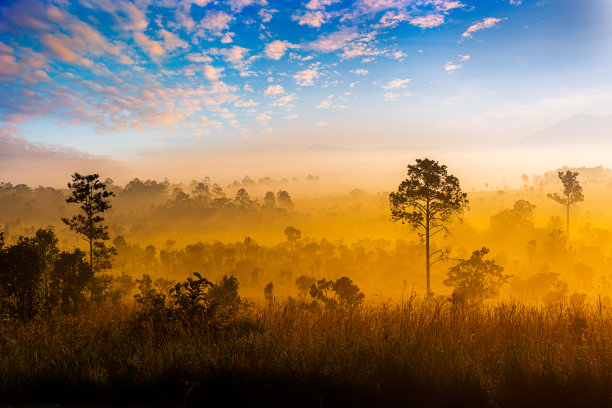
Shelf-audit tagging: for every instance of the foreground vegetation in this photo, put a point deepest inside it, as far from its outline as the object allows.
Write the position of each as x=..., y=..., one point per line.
x=417, y=353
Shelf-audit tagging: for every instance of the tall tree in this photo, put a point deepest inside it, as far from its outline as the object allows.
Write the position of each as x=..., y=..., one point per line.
x=572, y=193
x=91, y=194
x=427, y=200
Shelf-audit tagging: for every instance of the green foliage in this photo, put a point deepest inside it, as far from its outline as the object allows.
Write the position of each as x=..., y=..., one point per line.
x=476, y=279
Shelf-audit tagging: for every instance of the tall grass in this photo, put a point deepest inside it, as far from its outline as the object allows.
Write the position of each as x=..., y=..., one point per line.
x=418, y=353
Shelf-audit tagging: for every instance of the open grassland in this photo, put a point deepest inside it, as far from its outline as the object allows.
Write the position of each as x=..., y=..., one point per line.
x=417, y=353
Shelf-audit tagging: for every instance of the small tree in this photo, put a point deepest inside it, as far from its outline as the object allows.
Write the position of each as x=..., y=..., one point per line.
x=93, y=198
x=284, y=200
x=71, y=274
x=427, y=200
x=293, y=236
x=343, y=293
x=475, y=279
x=269, y=293
x=269, y=201
x=304, y=283
x=572, y=193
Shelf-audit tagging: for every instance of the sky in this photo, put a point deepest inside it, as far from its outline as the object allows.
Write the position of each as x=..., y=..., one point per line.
x=351, y=89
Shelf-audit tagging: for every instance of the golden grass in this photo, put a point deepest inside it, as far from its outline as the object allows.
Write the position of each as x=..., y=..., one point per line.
x=418, y=353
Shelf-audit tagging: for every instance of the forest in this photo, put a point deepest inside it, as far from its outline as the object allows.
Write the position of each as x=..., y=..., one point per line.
x=249, y=293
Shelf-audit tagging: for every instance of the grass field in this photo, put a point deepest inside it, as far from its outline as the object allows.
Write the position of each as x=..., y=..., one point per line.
x=417, y=353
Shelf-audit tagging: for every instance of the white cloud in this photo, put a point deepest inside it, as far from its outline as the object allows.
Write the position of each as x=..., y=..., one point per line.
x=171, y=40
x=451, y=67
x=292, y=116
x=215, y=21
x=329, y=102
x=152, y=47
x=285, y=100
x=276, y=49
x=463, y=57
x=274, y=90
x=198, y=58
x=311, y=18
x=319, y=4
x=360, y=71
x=360, y=49
x=325, y=103
x=397, y=84
x=245, y=104
x=211, y=73
x=488, y=22
x=391, y=96
x=306, y=77
x=398, y=55
x=321, y=123
x=234, y=55
x=266, y=14
x=429, y=21
x=334, y=41
x=238, y=5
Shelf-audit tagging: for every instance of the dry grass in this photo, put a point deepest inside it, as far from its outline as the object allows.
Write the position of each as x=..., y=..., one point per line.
x=414, y=354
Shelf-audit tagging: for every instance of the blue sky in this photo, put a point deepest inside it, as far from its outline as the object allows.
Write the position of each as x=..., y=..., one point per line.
x=131, y=80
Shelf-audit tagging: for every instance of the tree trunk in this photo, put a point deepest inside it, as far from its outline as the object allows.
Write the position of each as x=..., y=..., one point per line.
x=427, y=263
x=91, y=256
x=567, y=218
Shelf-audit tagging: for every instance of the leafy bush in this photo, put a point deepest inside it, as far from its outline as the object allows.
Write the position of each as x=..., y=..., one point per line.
x=343, y=293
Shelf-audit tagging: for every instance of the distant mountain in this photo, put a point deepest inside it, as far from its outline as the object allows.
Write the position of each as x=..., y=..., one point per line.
x=577, y=130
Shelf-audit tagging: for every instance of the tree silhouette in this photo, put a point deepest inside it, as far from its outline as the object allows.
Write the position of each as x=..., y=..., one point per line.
x=91, y=194
x=284, y=200
x=427, y=200
x=572, y=193
x=293, y=236
x=342, y=292
x=475, y=279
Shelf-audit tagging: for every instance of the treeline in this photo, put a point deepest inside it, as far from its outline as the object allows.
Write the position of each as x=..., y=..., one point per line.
x=147, y=206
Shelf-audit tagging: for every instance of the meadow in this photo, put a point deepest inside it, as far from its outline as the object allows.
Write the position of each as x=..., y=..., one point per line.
x=413, y=353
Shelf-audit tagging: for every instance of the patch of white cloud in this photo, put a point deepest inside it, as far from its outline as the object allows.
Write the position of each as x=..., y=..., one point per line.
x=274, y=90
x=307, y=77
x=397, y=84
x=311, y=18
x=277, y=48
x=488, y=22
